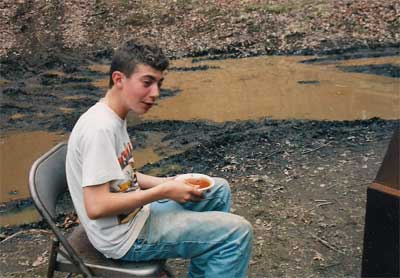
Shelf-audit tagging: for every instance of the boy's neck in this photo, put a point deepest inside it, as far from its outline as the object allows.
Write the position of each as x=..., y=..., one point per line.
x=111, y=100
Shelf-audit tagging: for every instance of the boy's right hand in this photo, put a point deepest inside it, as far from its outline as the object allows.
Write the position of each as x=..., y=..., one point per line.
x=180, y=192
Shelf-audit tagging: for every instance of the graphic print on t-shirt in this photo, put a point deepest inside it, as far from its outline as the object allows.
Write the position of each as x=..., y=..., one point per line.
x=130, y=182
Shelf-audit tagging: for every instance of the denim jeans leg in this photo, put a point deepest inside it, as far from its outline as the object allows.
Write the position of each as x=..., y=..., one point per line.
x=218, y=243
x=218, y=199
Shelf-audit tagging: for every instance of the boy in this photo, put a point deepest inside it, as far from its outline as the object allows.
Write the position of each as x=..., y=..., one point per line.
x=135, y=217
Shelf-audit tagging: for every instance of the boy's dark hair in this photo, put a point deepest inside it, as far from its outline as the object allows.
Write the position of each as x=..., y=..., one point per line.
x=132, y=53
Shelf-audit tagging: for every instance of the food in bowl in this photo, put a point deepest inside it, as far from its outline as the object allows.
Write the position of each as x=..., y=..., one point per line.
x=199, y=181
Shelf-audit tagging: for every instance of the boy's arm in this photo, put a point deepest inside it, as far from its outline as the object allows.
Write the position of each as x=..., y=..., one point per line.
x=146, y=181
x=100, y=202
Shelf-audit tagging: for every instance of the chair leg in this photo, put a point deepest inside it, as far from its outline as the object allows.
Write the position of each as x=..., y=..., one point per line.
x=52, y=258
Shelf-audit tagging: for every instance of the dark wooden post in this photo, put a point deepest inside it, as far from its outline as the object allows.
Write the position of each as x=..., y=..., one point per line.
x=381, y=256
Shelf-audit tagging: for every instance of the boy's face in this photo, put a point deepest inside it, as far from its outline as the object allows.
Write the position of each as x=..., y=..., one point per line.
x=140, y=91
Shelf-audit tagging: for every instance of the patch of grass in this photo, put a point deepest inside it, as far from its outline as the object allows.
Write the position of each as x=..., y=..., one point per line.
x=254, y=28
x=395, y=25
x=185, y=4
x=266, y=8
x=213, y=12
x=126, y=3
x=138, y=19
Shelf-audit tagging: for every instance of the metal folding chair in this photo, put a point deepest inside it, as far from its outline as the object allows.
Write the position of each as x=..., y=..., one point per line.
x=74, y=253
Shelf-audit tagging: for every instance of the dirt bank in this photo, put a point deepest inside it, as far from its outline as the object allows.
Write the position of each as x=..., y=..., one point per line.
x=35, y=34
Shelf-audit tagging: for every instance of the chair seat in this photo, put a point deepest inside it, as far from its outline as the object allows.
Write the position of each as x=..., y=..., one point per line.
x=100, y=265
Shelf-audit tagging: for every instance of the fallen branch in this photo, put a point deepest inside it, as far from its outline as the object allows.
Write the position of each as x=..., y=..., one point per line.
x=324, y=204
x=332, y=186
x=326, y=243
x=317, y=148
x=273, y=153
x=30, y=231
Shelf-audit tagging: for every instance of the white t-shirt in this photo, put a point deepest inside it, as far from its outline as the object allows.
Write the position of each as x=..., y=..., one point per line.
x=100, y=151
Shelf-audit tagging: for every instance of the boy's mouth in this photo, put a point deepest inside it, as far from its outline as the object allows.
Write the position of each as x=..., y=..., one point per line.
x=149, y=103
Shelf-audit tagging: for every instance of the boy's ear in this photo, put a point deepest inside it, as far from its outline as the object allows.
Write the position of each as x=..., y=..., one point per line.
x=117, y=78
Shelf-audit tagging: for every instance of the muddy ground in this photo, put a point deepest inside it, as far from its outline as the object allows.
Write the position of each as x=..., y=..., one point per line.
x=302, y=184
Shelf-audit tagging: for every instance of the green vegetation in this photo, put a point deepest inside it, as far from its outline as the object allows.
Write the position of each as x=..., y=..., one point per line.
x=214, y=11
x=266, y=8
x=395, y=25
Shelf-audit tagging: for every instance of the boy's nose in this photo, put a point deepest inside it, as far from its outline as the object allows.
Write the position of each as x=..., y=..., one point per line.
x=155, y=91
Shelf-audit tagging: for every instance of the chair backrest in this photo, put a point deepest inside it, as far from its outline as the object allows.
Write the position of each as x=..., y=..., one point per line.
x=47, y=179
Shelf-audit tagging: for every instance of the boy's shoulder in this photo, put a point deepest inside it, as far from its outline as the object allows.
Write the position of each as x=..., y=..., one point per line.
x=98, y=118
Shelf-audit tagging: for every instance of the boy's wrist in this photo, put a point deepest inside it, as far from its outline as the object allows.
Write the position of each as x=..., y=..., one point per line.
x=161, y=192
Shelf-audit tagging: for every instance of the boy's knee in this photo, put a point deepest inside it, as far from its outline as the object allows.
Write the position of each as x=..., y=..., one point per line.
x=222, y=183
x=243, y=231
x=247, y=228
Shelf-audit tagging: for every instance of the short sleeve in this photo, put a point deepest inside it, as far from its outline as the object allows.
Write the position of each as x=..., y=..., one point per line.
x=99, y=158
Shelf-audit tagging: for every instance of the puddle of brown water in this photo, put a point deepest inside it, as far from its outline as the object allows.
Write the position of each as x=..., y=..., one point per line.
x=148, y=155
x=75, y=97
x=56, y=72
x=24, y=216
x=17, y=116
x=17, y=153
x=4, y=82
x=268, y=86
x=101, y=83
x=99, y=68
x=66, y=110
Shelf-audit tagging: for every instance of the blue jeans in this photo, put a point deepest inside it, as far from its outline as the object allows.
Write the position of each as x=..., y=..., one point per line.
x=217, y=242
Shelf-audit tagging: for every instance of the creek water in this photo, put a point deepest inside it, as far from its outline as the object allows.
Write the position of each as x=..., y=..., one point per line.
x=228, y=90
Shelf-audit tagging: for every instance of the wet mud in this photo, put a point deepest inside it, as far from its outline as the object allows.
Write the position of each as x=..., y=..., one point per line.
x=355, y=53
x=288, y=178
x=55, y=98
x=196, y=68
x=388, y=70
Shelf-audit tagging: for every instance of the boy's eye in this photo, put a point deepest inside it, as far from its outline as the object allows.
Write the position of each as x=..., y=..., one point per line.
x=147, y=83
